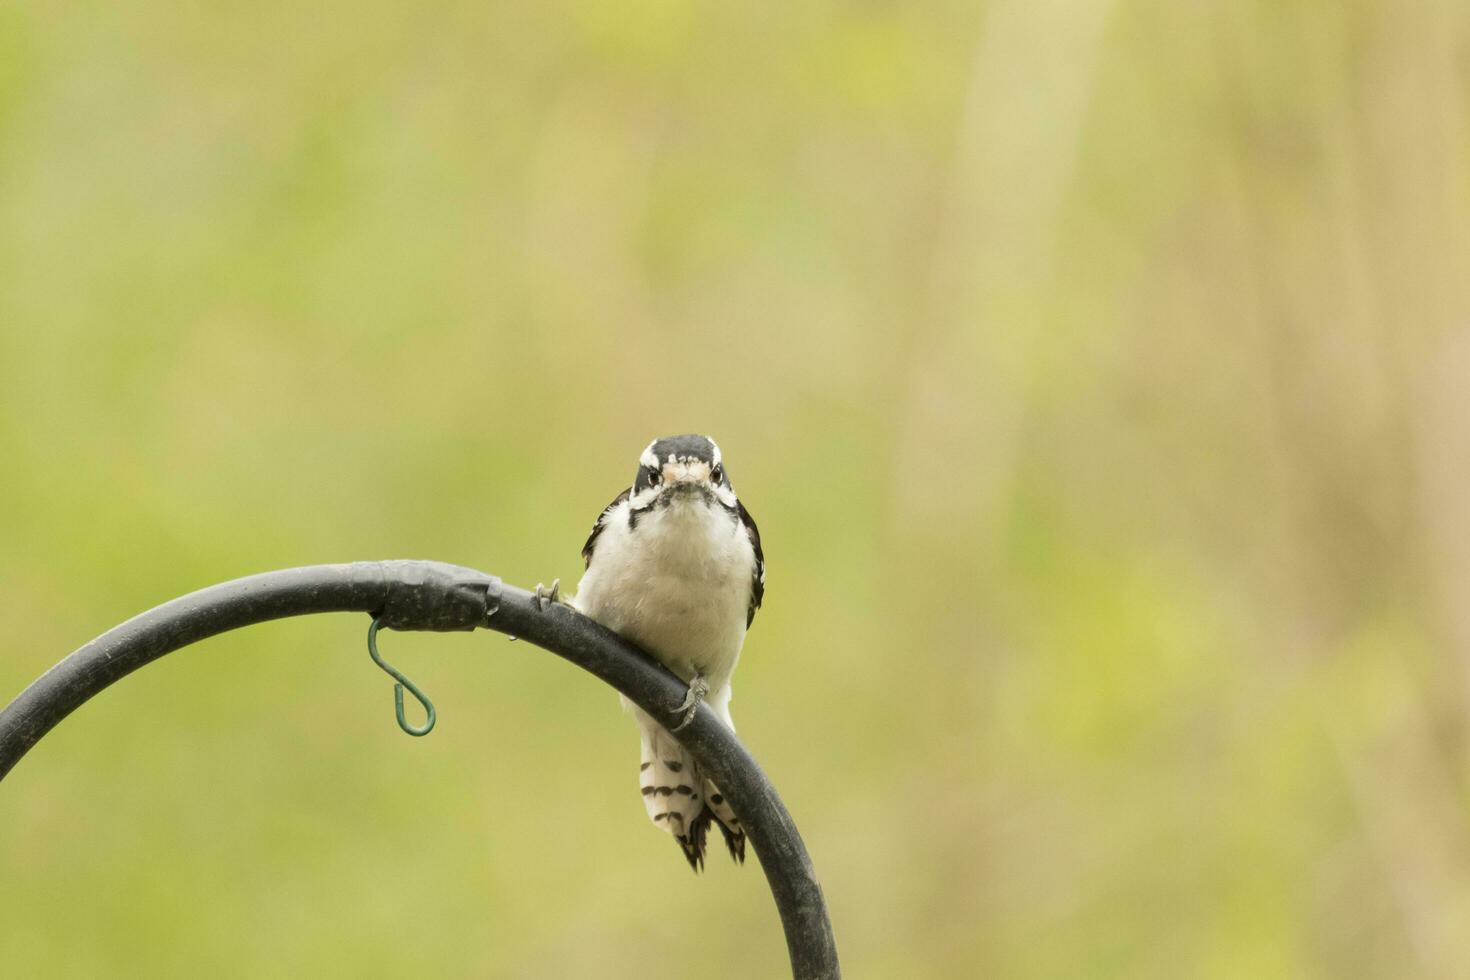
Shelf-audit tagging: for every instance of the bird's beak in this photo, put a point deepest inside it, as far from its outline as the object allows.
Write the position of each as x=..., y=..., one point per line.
x=695, y=472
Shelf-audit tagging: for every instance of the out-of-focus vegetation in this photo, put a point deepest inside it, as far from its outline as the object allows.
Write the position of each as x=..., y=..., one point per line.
x=1099, y=374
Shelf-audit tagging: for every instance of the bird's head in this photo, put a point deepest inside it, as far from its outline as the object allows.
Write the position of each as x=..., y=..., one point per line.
x=685, y=468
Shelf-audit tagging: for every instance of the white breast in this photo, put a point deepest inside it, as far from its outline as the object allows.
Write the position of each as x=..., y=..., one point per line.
x=678, y=585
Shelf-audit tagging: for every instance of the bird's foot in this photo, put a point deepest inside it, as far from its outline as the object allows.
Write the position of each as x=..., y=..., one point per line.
x=543, y=597
x=698, y=691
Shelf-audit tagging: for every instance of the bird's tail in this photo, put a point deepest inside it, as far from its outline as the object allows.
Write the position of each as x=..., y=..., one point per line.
x=726, y=820
x=673, y=793
x=724, y=814
x=677, y=796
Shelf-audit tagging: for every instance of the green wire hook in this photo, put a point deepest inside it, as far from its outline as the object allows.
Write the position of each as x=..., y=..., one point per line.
x=398, y=688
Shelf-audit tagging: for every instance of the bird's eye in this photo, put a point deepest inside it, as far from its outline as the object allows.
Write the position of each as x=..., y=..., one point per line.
x=654, y=477
x=717, y=474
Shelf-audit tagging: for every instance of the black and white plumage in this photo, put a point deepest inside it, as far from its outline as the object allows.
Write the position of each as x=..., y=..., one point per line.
x=674, y=563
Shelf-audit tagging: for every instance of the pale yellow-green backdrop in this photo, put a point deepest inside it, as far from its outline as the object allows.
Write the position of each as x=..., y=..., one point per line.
x=1099, y=373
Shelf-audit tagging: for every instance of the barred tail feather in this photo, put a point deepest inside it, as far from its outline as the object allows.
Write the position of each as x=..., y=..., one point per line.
x=727, y=821
x=673, y=793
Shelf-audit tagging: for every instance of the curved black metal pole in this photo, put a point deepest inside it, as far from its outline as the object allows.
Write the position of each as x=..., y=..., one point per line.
x=425, y=595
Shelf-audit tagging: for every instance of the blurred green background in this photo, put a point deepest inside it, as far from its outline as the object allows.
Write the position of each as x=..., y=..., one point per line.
x=1098, y=372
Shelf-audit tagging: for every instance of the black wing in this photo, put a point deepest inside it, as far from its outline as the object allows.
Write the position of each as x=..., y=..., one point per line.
x=758, y=577
x=601, y=523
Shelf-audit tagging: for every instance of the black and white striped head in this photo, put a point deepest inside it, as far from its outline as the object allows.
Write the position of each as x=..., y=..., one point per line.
x=682, y=467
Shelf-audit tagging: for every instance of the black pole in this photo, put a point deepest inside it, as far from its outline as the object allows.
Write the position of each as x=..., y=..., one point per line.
x=425, y=595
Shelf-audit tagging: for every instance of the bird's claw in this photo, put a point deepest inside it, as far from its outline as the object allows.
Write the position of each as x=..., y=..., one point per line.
x=698, y=690
x=543, y=597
